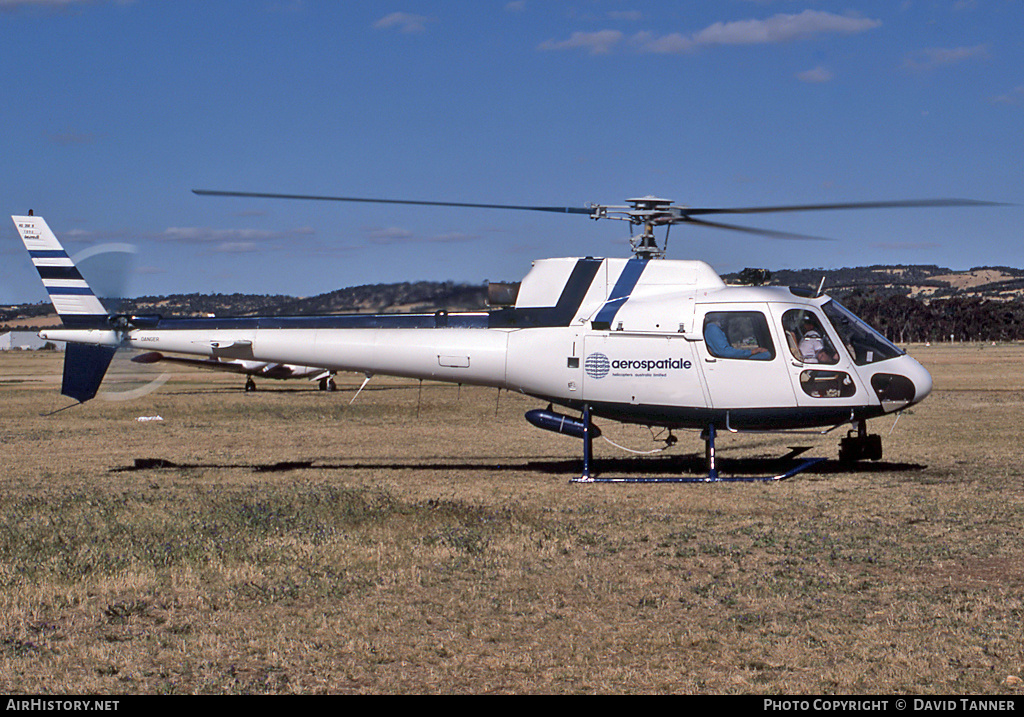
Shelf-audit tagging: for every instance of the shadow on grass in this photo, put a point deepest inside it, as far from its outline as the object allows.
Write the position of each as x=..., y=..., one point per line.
x=666, y=467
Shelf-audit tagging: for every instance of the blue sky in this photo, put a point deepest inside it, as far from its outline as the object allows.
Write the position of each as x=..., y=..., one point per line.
x=113, y=110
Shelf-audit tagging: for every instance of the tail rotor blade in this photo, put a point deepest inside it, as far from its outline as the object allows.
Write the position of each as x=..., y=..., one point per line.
x=107, y=269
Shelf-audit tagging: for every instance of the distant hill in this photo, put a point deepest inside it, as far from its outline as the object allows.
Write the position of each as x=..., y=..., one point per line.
x=371, y=298
x=422, y=296
x=918, y=282
x=923, y=303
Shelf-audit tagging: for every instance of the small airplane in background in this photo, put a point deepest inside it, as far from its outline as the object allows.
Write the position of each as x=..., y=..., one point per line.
x=645, y=340
x=251, y=369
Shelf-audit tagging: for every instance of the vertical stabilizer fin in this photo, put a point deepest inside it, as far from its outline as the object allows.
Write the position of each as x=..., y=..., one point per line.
x=74, y=301
x=84, y=368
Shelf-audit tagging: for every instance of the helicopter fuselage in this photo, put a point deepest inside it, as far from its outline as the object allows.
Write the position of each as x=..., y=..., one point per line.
x=654, y=342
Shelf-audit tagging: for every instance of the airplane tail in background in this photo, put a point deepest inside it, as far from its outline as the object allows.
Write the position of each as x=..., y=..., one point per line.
x=77, y=305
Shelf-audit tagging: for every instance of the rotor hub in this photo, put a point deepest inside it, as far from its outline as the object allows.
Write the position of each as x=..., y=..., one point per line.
x=650, y=211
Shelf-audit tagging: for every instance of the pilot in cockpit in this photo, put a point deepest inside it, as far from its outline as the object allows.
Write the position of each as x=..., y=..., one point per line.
x=813, y=348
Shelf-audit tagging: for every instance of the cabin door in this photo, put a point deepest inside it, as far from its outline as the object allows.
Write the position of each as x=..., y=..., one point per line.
x=819, y=365
x=743, y=364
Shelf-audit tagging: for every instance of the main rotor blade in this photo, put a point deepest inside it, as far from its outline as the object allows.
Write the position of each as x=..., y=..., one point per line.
x=752, y=230
x=319, y=198
x=903, y=204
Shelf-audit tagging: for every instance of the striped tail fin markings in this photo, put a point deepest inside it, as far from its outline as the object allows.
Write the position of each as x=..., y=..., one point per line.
x=75, y=302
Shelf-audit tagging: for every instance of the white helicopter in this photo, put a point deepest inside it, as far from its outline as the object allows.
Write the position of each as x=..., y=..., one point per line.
x=644, y=340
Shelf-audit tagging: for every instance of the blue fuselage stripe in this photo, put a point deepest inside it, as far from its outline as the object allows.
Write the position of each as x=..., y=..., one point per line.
x=620, y=292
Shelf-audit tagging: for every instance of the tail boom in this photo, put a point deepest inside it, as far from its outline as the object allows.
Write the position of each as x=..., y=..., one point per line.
x=99, y=337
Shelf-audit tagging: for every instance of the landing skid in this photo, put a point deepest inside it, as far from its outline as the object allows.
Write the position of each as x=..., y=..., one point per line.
x=712, y=476
x=801, y=466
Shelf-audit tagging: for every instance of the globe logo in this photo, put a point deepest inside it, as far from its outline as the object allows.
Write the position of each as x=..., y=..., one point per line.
x=597, y=365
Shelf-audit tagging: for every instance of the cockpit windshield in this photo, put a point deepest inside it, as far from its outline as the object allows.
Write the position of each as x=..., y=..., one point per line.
x=864, y=343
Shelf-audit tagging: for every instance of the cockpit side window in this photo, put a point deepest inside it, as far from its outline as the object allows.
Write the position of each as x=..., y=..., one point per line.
x=807, y=340
x=738, y=335
x=865, y=345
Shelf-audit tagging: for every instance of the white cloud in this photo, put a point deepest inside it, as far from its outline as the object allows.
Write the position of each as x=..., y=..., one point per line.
x=779, y=28
x=783, y=28
x=1013, y=97
x=232, y=241
x=671, y=44
x=816, y=76
x=403, y=22
x=598, y=43
x=237, y=247
x=390, y=235
x=774, y=30
x=397, y=235
x=934, y=57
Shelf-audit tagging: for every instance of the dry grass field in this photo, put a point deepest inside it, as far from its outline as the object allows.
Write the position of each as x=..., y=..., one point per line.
x=426, y=539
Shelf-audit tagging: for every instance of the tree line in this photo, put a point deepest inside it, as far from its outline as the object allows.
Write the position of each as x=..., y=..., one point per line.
x=910, y=320
x=887, y=298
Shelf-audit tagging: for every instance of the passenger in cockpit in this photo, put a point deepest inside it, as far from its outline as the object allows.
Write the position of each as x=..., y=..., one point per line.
x=718, y=345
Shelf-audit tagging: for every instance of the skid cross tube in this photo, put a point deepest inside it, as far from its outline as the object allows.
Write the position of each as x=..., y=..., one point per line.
x=588, y=445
